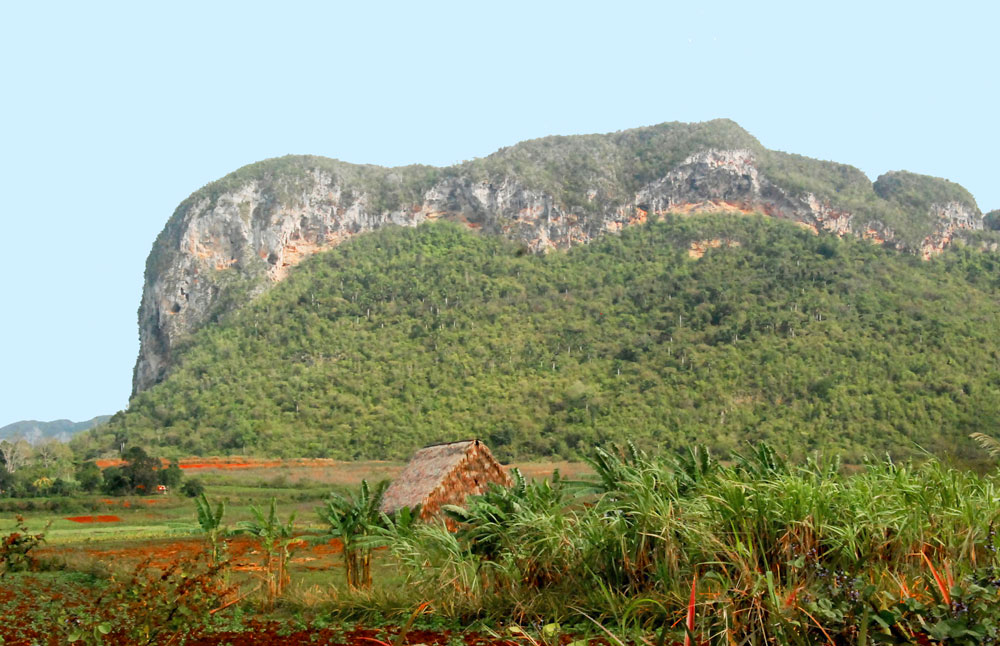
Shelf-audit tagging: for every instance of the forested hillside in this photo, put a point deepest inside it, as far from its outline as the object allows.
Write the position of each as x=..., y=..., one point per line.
x=237, y=237
x=408, y=336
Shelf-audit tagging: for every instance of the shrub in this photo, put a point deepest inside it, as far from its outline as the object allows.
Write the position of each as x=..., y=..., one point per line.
x=116, y=482
x=171, y=476
x=151, y=606
x=193, y=488
x=15, y=548
x=89, y=476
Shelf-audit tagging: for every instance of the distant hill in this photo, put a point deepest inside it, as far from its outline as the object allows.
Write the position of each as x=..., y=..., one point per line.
x=60, y=429
x=716, y=329
x=237, y=237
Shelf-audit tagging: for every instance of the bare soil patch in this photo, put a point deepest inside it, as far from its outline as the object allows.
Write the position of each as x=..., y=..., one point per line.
x=244, y=553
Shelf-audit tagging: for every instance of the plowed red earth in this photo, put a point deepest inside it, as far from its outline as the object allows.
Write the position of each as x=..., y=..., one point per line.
x=19, y=626
x=94, y=519
x=228, y=464
x=243, y=551
x=273, y=634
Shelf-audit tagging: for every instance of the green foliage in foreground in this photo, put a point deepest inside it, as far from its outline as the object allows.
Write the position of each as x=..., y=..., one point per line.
x=757, y=551
x=409, y=336
x=772, y=553
x=210, y=521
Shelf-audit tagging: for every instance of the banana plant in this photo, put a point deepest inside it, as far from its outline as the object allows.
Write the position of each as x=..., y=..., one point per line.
x=210, y=521
x=277, y=539
x=354, y=520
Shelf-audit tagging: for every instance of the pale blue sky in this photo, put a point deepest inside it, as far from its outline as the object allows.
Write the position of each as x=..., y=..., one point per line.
x=113, y=113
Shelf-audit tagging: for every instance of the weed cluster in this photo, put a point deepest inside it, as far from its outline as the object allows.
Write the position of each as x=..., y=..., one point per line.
x=150, y=606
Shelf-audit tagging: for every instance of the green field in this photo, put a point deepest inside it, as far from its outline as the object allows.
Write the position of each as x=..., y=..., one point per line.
x=298, y=489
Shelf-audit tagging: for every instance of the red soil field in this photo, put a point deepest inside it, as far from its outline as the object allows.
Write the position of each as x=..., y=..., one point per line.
x=94, y=519
x=229, y=463
x=21, y=630
x=20, y=627
x=244, y=552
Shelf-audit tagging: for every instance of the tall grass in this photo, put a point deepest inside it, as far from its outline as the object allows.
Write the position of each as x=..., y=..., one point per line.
x=775, y=553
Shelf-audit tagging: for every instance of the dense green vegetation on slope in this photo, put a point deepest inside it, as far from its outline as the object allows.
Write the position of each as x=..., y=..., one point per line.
x=408, y=336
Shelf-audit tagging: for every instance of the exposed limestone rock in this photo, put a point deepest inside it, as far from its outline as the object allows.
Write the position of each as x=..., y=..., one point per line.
x=244, y=238
x=507, y=208
x=729, y=180
x=950, y=217
x=698, y=248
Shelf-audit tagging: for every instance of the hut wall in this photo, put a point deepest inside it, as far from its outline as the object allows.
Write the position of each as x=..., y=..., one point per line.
x=469, y=477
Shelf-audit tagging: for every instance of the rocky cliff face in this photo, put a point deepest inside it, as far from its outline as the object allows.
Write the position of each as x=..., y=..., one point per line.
x=950, y=218
x=731, y=180
x=230, y=241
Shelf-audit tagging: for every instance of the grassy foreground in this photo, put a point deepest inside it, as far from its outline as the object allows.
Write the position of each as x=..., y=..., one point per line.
x=672, y=549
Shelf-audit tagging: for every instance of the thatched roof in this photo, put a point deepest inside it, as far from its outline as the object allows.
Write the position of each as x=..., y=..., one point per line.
x=427, y=471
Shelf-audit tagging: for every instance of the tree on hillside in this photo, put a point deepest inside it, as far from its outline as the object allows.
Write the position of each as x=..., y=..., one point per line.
x=14, y=453
x=141, y=469
x=51, y=452
x=89, y=476
x=170, y=476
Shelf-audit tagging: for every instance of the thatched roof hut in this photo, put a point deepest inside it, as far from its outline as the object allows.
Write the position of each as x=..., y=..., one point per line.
x=444, y=474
